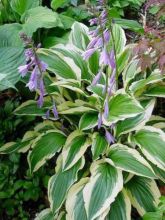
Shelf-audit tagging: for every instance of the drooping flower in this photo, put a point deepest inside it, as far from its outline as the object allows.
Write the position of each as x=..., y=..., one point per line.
x=97, y=78
x=87, y=54
x=100, y=120
x=42, y=91
x=23, y=70
x=93, y=21
x=106, y=35
x=110, y=139
x=33, y=82
x=43, y=66
x=106, y=108
x=55, y=112
x=112, y=59
x=104, y=57
x=47, y=115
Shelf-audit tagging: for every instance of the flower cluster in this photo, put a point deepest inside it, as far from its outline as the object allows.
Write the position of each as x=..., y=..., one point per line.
x=101, y=40
x=36, y=68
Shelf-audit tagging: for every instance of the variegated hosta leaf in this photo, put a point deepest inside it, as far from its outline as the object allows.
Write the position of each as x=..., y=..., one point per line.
x=79, y=36
x=72, y=52
x=13, y=147
x=30, y=108
x=159, y=172
x=60, y=183
x=120, y=38
x=63, y=67
x=75, y=205
x=137, y=122
x=88, y=121
x=45, y=214
x=152, y=143
x=120, y=208
x=104, y=185
x=123, y=58
x=45, y=147
x=130, y=72
x=122, y=106
x=77, y=110
x=75, y=147
x=156, y=91
x=130, y=160
x=141, y=84
x=99, y=145
x=144, y=194
x=153, y=216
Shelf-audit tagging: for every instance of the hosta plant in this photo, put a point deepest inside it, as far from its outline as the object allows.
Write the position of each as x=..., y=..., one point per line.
x=97, y=105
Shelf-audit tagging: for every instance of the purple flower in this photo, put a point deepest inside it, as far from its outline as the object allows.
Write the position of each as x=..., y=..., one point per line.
x=47, y=114
x=28, y=54
x=112, y=59
x=42, y=90
x=106, y=108
x=40, y=101
x=92, y=43
x=96, y=78
x=23, y=70
x=106, y=36
x=110, y=139
x=104, y=58
x=103, y=14
x=100, y=120
x=43, y=66
x=33, y=82
x=107, y=58
x=99, y=42
x=55, y=112
x=93, y=21
x=87, y=54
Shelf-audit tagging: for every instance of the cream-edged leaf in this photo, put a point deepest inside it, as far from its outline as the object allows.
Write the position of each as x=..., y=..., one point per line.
x=75, y=205
x=120, y=208
x=122, y=106
x=60, y=183
x=130, y=160
x=88, y=121
x=144, y=194
x=99, y=145
x=45, y=214
x=45, y=147
x=75, y=147
x=137, y=122
x=152, y=144
x=104, y=185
